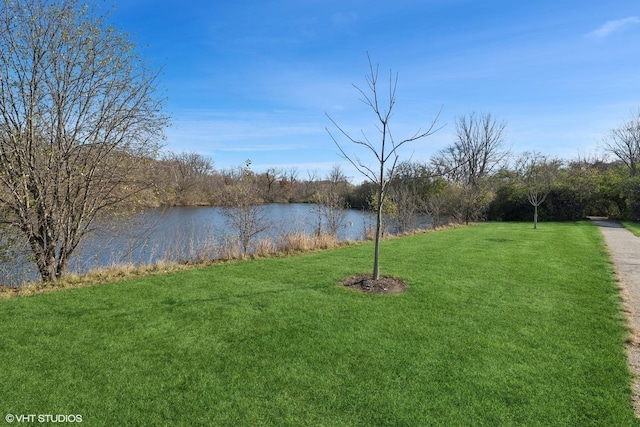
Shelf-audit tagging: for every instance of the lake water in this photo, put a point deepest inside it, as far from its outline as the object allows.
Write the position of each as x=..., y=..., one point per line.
x=179, y=234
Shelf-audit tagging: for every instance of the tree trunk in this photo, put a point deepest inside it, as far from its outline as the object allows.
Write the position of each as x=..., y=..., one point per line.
x=61, y=268
x=45, y=260
x=377, y=177
x=376, y=255
x=535, y=216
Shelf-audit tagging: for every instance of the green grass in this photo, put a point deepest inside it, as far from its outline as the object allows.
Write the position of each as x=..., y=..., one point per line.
x=502, y=325
x=634, y=227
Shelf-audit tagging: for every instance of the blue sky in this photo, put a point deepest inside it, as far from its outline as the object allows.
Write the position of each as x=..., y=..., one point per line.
x=253, y=79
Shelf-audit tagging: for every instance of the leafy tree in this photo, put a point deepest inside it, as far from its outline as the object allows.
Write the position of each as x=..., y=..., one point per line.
x=565, y=203
x=609, y=198
x=510, y=203
x=385, y=152
x=361, y=194
x=632, y=192
x=79, y=114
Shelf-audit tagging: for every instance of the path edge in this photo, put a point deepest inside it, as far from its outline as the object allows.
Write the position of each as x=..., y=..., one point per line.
x=631, y=314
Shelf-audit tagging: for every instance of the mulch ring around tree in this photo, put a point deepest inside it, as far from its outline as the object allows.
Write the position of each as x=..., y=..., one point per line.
x=384, y=284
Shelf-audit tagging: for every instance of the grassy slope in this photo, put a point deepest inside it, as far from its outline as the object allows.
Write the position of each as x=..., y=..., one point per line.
x=634, y=227
x=502, y=325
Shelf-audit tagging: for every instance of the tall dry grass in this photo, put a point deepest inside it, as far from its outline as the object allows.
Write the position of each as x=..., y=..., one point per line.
x=94, y=277
x=301, y=242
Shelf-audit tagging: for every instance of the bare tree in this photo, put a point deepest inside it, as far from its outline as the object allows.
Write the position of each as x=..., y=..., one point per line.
x=243, y=210
x=331, y=201
x=434, y=206
x=405, y=201
x=269, y=178
x=478, y=150
x=188, y=173
x=291, y=174
x=536, y=172
x=385, y=152
x=311, y=184
x=624, y=143
x=418, y=190
x=79, y=114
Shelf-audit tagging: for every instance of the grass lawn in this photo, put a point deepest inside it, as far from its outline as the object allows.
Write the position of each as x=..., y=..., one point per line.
x=502, y=325
x=634, y=227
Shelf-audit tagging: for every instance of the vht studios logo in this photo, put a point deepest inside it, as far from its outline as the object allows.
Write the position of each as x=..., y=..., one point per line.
x=42, y=418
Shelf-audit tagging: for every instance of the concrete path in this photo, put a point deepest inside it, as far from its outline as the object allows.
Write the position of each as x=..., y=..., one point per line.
x=624, y=249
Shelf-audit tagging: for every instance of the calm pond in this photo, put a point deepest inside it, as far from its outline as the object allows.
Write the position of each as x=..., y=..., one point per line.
x=179, y=234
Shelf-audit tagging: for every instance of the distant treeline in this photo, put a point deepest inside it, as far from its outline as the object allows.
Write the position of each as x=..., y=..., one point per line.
x=571, y=189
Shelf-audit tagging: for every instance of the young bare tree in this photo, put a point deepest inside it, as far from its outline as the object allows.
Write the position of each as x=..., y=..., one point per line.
x=536, y=172
x=385, y=151
x=79, y=114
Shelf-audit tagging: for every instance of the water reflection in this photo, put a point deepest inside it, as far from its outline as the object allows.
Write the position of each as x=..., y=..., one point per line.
x=181, y=234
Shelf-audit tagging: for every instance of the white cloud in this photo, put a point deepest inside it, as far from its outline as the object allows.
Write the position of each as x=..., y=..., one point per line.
x=610, y=27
